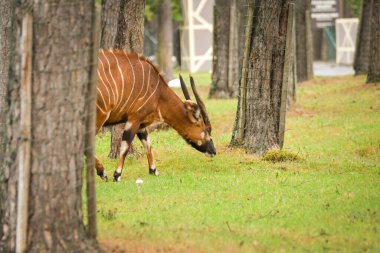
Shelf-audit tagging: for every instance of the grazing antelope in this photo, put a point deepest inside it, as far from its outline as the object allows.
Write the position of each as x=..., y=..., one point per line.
x=131, y=90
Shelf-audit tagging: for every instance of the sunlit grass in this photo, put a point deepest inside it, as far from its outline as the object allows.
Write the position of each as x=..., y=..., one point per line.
x=235, y=202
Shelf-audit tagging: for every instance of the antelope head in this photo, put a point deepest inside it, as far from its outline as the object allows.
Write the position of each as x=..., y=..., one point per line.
x=197, y=129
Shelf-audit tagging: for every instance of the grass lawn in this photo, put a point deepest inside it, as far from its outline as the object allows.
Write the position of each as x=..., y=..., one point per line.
x=235, y=202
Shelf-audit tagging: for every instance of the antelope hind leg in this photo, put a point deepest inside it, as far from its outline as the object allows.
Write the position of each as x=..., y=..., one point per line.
x=127, y=138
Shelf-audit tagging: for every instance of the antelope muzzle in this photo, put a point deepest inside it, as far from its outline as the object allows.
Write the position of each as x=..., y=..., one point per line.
x=208, y=147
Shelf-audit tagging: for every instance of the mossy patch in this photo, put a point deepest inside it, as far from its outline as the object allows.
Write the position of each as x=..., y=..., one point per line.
x=277, y=155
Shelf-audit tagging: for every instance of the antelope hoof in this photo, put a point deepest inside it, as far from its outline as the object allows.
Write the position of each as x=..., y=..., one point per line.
x=103, y=176
x=116, y=177
x=153, y=172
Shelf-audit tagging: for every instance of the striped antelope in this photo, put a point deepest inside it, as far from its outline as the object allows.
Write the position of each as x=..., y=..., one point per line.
x=131, y=90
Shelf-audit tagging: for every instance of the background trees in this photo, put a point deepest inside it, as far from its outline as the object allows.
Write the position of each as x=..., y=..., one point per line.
x=362, y=52
x=304, y=40
x=374, y=59
x=226, y=41
x=59, y=56
x=165, y=39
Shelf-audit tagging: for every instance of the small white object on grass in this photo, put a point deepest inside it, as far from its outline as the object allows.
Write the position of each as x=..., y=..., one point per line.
x=139, y=182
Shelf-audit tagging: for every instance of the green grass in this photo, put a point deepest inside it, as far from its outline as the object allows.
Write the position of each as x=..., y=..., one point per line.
x=236, y=202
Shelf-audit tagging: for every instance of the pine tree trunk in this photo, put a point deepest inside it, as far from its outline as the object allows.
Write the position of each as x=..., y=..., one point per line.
x=5, y=36
x=221, y=34
x=292, y=80
x=122, y=28
x=165, y=39
x=265, y=78
x=61, y=62
x=374, y=60
x=362, y=52
x=304, y=56
x=227, y=39
x=234, y=50
x=109, y=22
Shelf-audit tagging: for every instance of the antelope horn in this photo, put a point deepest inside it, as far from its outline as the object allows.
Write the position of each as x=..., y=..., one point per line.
x=184, y=89
x=201, y=105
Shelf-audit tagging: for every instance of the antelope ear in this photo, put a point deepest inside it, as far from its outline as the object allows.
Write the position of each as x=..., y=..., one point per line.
x=193, y=111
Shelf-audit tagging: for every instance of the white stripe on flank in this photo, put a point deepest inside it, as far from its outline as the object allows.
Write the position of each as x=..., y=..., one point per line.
x=104, y=102
x=105, y=86
x=100, y=109
x=133, y=86
x=147, y=86
x=108, y=81
x=114, y=82
x=158, y=81
x=122, y=80
x=143, y=75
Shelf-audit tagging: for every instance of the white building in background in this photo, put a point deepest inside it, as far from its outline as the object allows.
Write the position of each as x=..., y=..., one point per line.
x=196, y=35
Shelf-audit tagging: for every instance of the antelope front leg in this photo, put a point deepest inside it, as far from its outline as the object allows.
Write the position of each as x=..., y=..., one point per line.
x=142, y=134
x=100, y=170
x=128, y=135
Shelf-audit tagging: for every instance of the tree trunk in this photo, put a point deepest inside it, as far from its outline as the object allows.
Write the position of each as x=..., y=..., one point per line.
x=264, y=91
x=60, y=66
x=165, y=39
x=221, y=34
x=304, y=47
x=122, y=28
x=109, y=22
x=317, y=43
x=227, y=38
x=374, y=61
x=292, y=79
x=5, y=36
x=361, y=62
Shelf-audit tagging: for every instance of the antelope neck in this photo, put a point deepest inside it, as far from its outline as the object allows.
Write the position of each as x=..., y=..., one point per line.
x=172, y=109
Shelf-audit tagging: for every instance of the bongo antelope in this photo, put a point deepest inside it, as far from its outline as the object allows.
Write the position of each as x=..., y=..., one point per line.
x=131, y=90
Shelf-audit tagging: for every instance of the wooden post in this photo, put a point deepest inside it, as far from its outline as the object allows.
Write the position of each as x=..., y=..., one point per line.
x=309, y=46
x=244, y=73
x=90, y=127
x=285, y=77
x=26, y=49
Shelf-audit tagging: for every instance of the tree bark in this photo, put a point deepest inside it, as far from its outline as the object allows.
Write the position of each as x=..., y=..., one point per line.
x=304, y=47
x=109, y=22
x=221, y=40
x=227, y=39
x=363, y=42
x=165, y=39
x=5, y=39
x=374, y=60
x=265, y=78
x=61, y=62
x=292, y=80
x=122, y=28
